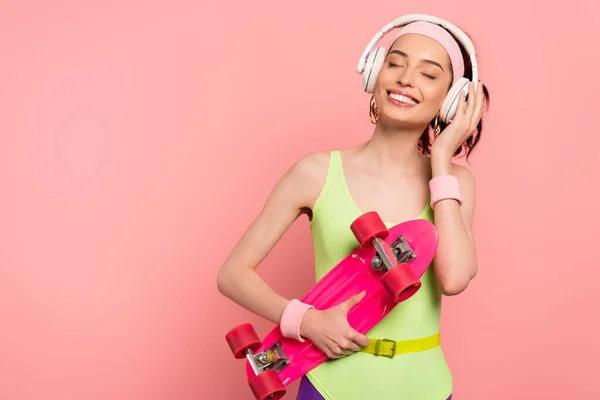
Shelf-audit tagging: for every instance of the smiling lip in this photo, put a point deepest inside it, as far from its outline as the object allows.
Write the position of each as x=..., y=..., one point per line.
x=401, y=99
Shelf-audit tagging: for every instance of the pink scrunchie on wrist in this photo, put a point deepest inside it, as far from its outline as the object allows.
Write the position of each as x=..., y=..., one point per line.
x=444, y=187
x=292, y=317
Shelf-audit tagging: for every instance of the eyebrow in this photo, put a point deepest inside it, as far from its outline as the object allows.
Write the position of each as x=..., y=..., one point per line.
x=403, y=54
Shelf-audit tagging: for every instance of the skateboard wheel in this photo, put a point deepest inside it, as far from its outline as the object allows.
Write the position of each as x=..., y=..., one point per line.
x=401, y=282
x=267, y=386
x=367, y=227
x=242, y=338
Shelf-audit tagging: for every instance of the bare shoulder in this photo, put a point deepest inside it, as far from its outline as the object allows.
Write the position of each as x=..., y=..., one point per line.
x=313, y=165
x=309, y=174
x=301, y=184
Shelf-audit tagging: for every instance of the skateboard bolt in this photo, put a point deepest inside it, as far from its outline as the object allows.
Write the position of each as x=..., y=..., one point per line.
x=267, y=357
x=376, y=262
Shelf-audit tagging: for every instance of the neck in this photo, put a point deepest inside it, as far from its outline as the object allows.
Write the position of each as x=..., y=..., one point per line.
x=395, y=148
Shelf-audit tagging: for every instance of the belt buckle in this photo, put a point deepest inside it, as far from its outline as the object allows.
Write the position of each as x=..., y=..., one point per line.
x=393, y=342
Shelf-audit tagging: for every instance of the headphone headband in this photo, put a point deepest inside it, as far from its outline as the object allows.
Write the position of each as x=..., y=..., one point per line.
x=406, y=19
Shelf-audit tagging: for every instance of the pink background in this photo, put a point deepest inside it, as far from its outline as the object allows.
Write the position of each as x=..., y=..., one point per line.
x=133, y=141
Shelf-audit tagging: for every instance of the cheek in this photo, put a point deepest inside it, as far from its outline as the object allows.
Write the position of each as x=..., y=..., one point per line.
x=435, y=94
x=380, y=98
x=389, y=75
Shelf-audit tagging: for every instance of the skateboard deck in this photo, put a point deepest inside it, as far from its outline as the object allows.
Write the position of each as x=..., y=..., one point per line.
x=404, y=252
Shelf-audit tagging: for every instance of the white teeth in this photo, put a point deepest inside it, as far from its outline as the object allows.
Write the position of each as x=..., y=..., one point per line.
x=402, y=99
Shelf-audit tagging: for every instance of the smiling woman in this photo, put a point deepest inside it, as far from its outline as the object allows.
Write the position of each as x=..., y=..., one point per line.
x=433, y=59
x=404, y=171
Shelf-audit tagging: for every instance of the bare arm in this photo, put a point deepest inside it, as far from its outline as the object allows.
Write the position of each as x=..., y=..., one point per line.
x=455, y=260
x=291, y=197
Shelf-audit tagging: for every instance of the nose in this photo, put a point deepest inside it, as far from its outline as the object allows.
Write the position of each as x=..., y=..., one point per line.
x=406, y=77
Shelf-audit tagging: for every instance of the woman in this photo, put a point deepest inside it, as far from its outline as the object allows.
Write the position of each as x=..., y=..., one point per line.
x=404, y=171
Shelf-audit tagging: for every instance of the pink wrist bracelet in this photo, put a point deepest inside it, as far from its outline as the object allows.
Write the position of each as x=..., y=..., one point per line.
x=292, y=317
x=444, y=187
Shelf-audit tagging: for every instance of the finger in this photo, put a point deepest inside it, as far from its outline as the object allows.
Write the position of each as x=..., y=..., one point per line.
x=345, y=352
x=481, y=113
x=338, y=352
x=359, y=339
x=483, y=109
x=479, y=109
x=331, y=350
x=471, y=100
x=354, y=300
x=482, y=101
x=347, y=345
x=480, y=96
x=351, y=346
x=478, y=112
x=460, y=109
x=465, y=123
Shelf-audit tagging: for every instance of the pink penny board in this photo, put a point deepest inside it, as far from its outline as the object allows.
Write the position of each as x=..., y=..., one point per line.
x=351, y=276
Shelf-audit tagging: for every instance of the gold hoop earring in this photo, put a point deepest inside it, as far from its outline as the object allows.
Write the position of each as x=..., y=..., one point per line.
x=436, y=125
x=373, y=111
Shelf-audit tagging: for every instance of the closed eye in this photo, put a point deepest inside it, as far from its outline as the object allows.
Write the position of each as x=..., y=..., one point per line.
x=392, y=65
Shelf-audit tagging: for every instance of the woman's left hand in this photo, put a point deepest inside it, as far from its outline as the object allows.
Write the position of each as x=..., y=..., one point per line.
x=464, y=124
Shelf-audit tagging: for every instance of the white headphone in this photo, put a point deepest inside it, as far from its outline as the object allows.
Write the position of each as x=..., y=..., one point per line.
x=371, y=61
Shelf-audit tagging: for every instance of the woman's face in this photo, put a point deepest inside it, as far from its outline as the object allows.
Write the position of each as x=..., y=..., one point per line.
x=413, y=81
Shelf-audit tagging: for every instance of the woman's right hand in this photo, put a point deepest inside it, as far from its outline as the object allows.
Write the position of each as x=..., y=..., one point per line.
x=330, y=331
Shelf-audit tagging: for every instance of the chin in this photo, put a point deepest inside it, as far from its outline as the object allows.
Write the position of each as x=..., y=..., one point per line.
x=404, y=117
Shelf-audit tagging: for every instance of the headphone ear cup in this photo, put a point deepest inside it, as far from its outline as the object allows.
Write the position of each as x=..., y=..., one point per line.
x=450, y=104
x=373, y=66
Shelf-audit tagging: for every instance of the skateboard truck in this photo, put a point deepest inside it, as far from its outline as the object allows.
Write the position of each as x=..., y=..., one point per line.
x=402, y=252
x=272, y=358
